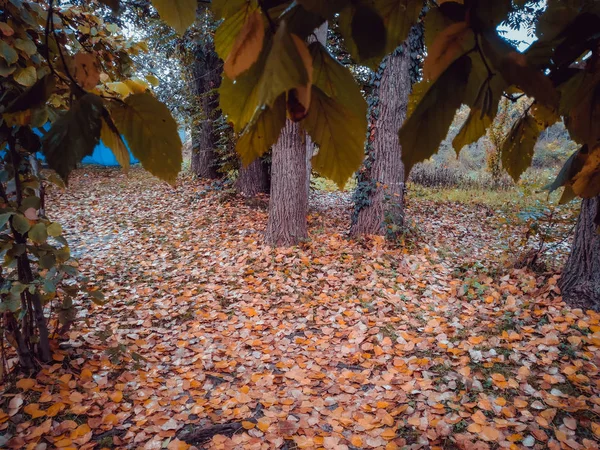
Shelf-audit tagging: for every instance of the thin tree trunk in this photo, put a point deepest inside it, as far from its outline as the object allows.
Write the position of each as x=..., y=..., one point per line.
x=290, y=181
x=382, y=211
x=205, y=79
x=289, y=196
x=254, y=179
x=580, y=280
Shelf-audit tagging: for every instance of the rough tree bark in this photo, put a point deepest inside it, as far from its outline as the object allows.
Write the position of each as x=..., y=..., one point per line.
x=205, y=79
x=382, y=212
x=254, y=179
x=289, y=197
x=290, y=181
x=580, y=280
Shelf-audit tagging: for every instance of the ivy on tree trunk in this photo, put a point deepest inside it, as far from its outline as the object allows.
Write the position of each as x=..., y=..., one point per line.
x=205, y=79
x=379, y=196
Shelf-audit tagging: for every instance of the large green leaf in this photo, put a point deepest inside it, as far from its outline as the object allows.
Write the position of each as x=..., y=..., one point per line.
x=583, y=122
x=151, y=133
x=364, y=33
x=262, y=132
x=586, y=183
x=285, y=68
x=335, y=80
x=399, y=16
x=38, y=233
x=339, y=132
x=516, y=70
x=428, y=125
x=247, y=46
x=482, y=95
x=301, y=22
x=472, y=130
x=517, y=150
x=239, y=99
x=179, y=14
x=326, y=9
x=451, y=43
x=488, y=15
x=20, y=223
x=227, y=8
x=33, y=97
x=74, y=135
x=434, y=23
x=228, y=32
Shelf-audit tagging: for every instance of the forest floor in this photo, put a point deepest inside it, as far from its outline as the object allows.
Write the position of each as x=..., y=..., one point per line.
x=212, y=338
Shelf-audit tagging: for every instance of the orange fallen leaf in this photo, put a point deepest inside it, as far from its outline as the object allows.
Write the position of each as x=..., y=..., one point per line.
x=176, y=444
x=248, y=425
x=388, y=434
x=116, y=396
x=490, y=434
x=33, y=409
x=26, y=383
x=356, y=441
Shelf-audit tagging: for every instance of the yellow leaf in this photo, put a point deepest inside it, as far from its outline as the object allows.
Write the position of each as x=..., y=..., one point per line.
x=263, y=425
x=153, y=80
x=339, y=132
x=298, y=100
x=247, y=46
x=112, y=139
x=451, y=43
x=179, y=14
x=151, y=133
x=26, y=76
x=136, y=85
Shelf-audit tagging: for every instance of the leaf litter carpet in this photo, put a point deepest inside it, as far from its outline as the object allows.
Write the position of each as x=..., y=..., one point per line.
x=210, y=339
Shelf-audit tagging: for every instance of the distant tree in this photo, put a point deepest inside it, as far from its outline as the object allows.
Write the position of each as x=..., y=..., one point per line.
x=254, y=179
x=205, y=78
x=580, y=280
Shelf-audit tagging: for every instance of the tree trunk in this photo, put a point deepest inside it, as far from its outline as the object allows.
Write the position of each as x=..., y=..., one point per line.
x=290, y=180
x=254, y=179
x=380, y=210
x=580, y=280
x=205, y=79
x=289, y=197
